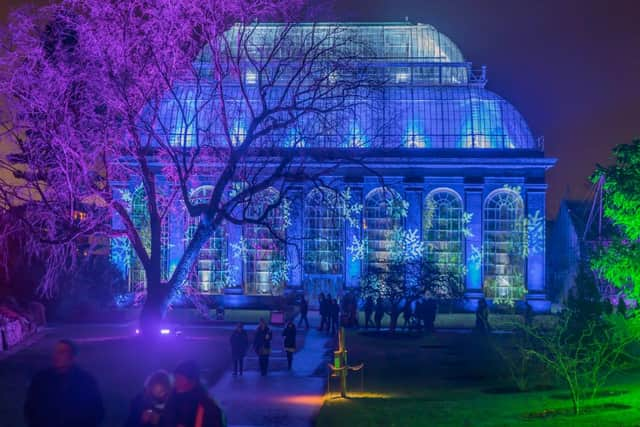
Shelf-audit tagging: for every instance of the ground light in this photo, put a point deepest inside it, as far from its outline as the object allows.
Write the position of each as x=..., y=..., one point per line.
x=161, y=331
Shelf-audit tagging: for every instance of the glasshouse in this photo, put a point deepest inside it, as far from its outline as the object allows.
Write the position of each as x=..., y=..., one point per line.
x=446, y=171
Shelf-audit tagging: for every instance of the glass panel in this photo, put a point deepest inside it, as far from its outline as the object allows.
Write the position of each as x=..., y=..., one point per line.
x=210, y=273
x=503, y=249
x=443, y=231
x=266, y=256
x=323, y=233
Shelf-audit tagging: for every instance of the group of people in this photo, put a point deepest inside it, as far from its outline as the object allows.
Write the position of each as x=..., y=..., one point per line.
x=239, y=341
x=66, y=395
x=420, y=314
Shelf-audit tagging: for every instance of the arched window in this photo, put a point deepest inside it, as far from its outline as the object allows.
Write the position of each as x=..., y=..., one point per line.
x=323, y=233
x=265, y=261
x=503, y=245
x=210, y=273
x=140, y=219
x=383, y=215
x=443, y=230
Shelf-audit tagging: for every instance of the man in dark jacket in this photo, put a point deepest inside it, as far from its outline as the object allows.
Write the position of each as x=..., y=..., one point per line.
x=368, y=311
x=190, y=405
x=379, y=313
x=304, y=309
x=262, y=346
x=63, y=395
x=324, y=315
x=239, y=345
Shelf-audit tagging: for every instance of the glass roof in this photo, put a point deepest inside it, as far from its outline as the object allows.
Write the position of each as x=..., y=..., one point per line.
x=424, y=106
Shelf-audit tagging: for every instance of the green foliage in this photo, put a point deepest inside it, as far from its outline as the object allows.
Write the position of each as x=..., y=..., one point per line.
x=619, y=261
x=587, y=345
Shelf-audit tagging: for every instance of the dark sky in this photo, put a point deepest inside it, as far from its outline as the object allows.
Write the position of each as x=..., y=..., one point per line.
x=571, y=67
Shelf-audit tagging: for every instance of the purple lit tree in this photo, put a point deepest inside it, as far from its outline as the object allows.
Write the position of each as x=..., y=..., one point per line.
x=170, y=94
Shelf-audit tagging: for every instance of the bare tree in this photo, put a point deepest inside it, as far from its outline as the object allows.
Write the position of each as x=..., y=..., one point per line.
x=170, y=94
x=583, y=356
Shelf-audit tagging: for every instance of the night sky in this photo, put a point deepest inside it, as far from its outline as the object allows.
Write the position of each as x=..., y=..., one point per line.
x=571, y=67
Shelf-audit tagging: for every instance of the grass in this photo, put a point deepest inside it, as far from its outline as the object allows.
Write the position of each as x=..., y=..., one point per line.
x=468, y=320
x=445, y=381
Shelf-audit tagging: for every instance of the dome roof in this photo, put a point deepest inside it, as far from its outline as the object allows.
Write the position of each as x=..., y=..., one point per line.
x=430, y=99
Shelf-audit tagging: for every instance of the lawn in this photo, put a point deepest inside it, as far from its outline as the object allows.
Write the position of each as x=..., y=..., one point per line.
x=455, y=379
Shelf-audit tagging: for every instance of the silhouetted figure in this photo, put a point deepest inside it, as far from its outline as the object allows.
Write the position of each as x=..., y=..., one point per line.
x=335, y=316
x=239, y=341
x=289, y=334
x=368, y=311
x=353, y=313
x=149, y=407
x=528, y=314
x=407, y=312
x=419, y=313
x=190, y=405
x=304, y=310
x=262, y=346
x=379, y=313
x=323, y=303
x=482, y=317
x=63, y=395
x=430, y=309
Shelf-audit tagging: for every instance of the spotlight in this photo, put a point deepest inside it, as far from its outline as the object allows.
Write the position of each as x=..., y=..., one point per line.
x=165, y=331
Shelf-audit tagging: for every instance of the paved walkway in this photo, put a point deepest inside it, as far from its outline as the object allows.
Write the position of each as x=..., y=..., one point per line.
x=281, y=399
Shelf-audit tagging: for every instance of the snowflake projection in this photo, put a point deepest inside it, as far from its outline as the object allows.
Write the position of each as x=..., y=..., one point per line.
x=120, y=254
x=466, y=221
x=505, y=291
x=358, y=248
x=406, y=245
x=279, y=270
x=349, y=209
x=286, y=214
x=229, y=272
x=240, y=249
x=397, y=208
x=535, y=232
x=126, y=197
x=475, y=259
x=515, y=188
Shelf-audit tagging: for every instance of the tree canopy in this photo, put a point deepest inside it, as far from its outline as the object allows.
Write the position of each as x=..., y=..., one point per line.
x=618, y=259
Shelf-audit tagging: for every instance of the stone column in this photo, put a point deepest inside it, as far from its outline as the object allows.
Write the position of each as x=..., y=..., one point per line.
x=295, y=236
x=473, y=248
x=352, y=266
x=236, y=263
x=536, y=230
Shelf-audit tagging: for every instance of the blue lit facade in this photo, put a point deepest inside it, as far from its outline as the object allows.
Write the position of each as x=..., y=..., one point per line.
x=459, y=161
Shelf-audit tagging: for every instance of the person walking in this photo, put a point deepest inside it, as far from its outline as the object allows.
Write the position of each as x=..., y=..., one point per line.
x=289, y=334
x=379, y=313
x=304, y=309
x=431, y=311
x=63, y=395
x=262, y=346
x=368, y=311
x=148, y=408
x=322, y=307
x=190, y=405
x=239, y=341
x=482, y=317
x=335, y=316
x=407, y=313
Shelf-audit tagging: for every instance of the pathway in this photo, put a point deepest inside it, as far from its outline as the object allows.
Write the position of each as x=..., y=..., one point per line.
x=281, y=399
